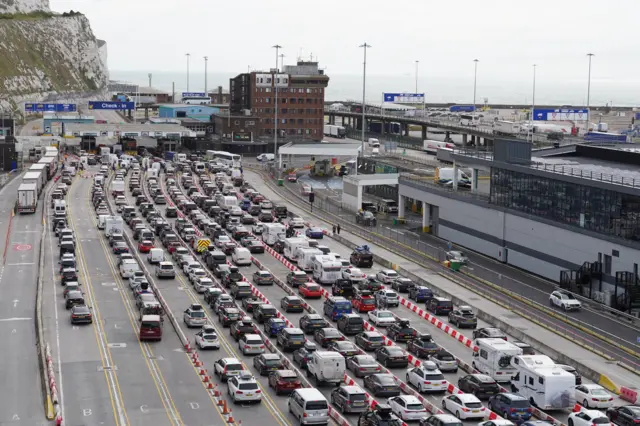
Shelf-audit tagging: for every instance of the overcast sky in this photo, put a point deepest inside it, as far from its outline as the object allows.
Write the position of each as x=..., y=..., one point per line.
x=508, y=37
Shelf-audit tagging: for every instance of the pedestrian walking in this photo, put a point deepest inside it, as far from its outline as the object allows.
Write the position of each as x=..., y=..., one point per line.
x=334, y=229
x=449, y=245
x=338, y=229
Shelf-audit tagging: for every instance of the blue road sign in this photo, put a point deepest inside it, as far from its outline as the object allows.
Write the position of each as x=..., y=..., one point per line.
x=39, y=107
x=404, y=98
x=560, y=114
x=462, y=108
x=114, y=106
x=194, y=95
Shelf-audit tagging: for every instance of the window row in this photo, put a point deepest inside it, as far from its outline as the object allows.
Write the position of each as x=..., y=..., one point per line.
x=596, y=209
x=290, y=90
x=294, y=121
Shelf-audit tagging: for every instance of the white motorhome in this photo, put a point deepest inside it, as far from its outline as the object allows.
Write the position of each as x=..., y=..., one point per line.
x=306, y=256
x=272, y=232
x=327, y=366
x=542, y=382
x=326, y=269
x=493, y=358
x=432, y=147
x=226, y=201
x=113, y=225
x=291, y=246
x=506, y=128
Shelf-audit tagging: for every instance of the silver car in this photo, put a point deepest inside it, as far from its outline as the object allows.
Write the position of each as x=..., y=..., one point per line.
x=251, y=344
x=165, y=270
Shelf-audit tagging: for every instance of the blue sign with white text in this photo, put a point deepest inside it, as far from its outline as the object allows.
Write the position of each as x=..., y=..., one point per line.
x=38, y=107
x=194, y=95
x=462, y=108
x=113, y=106
x=404, y=98
x=560, y=114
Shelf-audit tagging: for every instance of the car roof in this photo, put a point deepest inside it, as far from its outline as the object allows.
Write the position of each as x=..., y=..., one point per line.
x=352, y=389
x=467, y=397
x=271, y=356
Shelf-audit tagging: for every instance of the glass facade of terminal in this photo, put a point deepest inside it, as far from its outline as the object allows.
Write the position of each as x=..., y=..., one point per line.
x=600, y=210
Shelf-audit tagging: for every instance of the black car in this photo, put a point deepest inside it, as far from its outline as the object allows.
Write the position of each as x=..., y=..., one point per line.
x=481, y=385
x=423, y=346
x=342, y=287
x=68, y=274
x=249, y=303
x=402, y=284
x=228, y=315
x=266, y=363
x=392, y=356
x=381, y=415
x=626, y=415
x=278, y=246
x=489, y=332
x=263, y=312
x=296, y=278
x=303, y=355
x=211, y=295
x=255, y=247
x=382, y=384
x=171, y=212
x=402, y=331
x=370, y=340
x=241, y=327
x=310, y=323
x=81, y=314
x=326, y=335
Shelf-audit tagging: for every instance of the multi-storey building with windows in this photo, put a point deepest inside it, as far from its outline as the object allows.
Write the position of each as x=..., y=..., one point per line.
x=300, y=100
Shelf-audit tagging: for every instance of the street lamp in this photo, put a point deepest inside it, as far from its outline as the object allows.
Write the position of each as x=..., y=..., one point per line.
x=275, y=109
x=475, y=79
x=533, y=103
x=206, y=59
x=188, y=55
x=282, y=61
x=365, y=46
x=417, y=62
x=590, y=55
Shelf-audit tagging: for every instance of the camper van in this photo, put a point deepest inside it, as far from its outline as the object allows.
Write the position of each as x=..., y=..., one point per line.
x=273, y=232
x=305, y=258
x=493, y=358
x=291, y=246
x=546, y=385
x=326, y=269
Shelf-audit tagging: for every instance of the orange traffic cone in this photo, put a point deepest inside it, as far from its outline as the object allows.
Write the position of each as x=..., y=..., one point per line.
x=231, y=420
x=225, y=409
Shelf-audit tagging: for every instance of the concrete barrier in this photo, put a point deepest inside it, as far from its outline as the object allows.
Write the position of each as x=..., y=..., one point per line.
x=629, y=394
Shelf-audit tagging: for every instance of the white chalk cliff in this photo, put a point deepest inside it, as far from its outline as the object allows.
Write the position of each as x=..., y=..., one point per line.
x=48, y=56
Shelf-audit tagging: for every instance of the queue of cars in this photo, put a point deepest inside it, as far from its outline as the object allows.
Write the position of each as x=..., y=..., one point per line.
x=307, y=353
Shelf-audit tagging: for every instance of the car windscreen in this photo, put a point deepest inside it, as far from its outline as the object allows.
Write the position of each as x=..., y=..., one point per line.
x=317, y=405
x=248, y=386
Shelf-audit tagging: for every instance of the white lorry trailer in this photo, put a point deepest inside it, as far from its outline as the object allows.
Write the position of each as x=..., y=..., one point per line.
x=508, y=128
x=27, y=198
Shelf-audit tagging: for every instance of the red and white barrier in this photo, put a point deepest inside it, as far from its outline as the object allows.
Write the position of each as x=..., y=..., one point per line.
x=52, y=385
x=629, y=394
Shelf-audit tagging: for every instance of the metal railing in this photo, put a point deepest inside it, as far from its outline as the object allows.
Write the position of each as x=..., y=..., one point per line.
x=587, y=174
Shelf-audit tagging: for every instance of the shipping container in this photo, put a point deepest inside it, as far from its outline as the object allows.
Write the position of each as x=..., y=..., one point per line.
x=27, y=198
x=39, y=178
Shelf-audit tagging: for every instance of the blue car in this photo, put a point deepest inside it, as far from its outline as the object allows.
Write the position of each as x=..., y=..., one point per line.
x=420, y=293
x=511, y=406
x=315, y=233
x=273, y=325
x=244, y=204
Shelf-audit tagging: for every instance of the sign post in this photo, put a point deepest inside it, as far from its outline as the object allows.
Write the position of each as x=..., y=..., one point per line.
x=112, y=106
x=403, y=98
x=41, y=107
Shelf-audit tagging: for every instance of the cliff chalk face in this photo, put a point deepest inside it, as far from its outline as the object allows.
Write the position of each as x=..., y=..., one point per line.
x=48, y=56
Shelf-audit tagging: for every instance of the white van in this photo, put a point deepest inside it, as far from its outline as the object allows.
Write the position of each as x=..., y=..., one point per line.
x=374, y=143
x=309, y=406
x=102, y=220
x=128, y=268
x=60, y=207
x=327, y=366
x=266, y=157
x=241, y=256
x=155, y=256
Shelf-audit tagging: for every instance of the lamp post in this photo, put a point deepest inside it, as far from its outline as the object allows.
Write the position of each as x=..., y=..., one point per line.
x=365, y=46
x=282, y=61
x=533, y=103
x=275, y=109
x=417, y=62
x=206, y=92
x=188, y=55
x=475, y=79
x=590, y=55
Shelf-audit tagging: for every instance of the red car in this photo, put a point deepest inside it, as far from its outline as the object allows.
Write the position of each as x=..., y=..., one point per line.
x=145, y=246
x=364, y=303
x=173, y=246
x=310, y=290
x=292, y=177
x=284, y=381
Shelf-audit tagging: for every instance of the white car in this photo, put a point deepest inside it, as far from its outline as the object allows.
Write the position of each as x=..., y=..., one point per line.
x=236, y=211
x=388, y=297
x=135, y=280
x=564, y=300
x=258, y=228
x=381, y=318
x=202, y=284
x=296, y=222
x=387, y=276
x=497, y=422
x=589, y=418
x=407, y=407
x=221, y=240
x=593, y=396
x=207, y=338
x=464, y=406
x=354, y=274
x=196, y=273
x=194, y=316
x=190, y=266
x=427, y=378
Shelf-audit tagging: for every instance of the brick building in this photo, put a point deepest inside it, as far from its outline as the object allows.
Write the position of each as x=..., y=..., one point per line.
x=219, y=97
x=300, y=100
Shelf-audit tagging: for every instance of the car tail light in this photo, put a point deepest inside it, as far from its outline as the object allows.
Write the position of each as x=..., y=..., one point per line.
x=427, y=383
x=362, y=369
x=261, y=346
x=636, y=421
x=247, y=347
x=513, y=410
x=305, y=415
x=258, y=391
x=466, y=410
x=238, y=392
x=595, y=399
